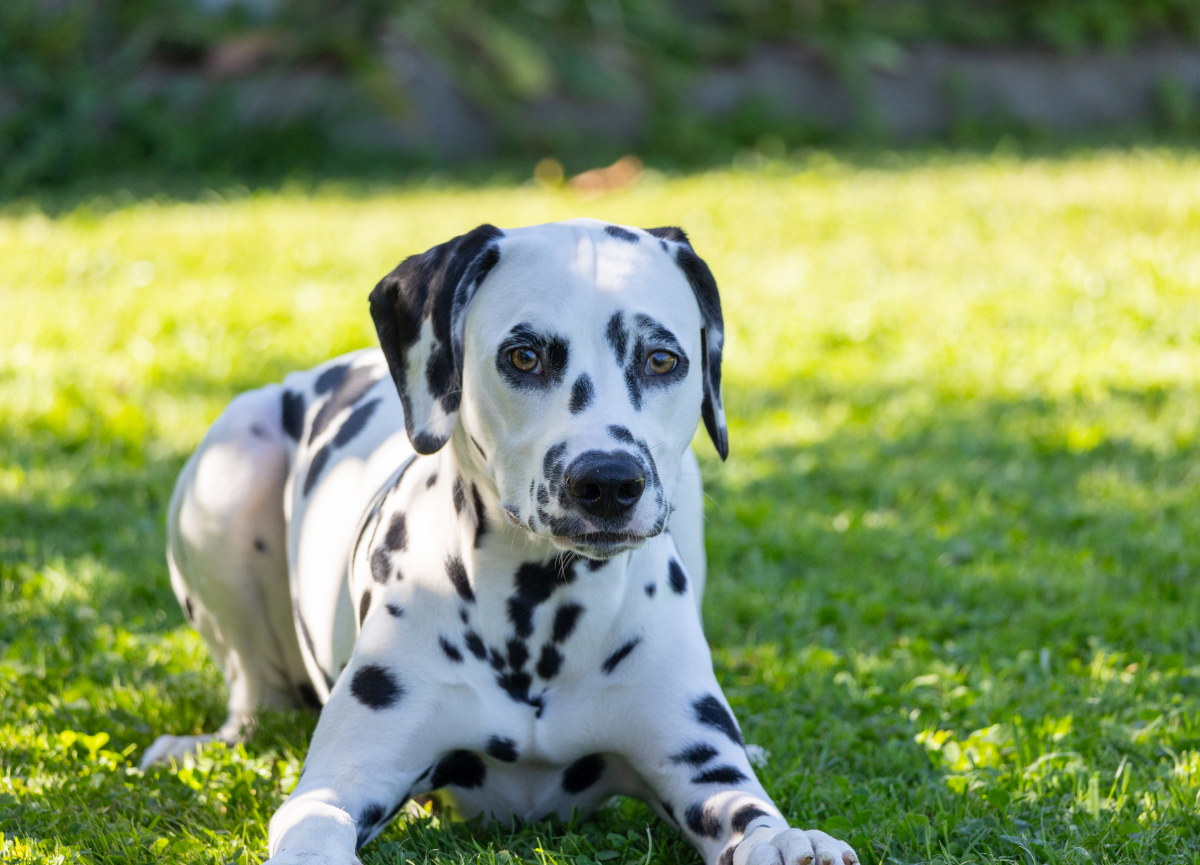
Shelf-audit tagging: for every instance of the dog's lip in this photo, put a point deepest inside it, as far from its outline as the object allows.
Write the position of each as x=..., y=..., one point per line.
x=602, y=541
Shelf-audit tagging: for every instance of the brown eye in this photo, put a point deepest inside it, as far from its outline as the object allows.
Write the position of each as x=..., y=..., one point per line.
x=525, y=360
x=661, y=363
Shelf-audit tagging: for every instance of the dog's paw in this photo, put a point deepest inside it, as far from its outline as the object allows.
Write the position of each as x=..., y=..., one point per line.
x=166, y=748
x=769, y=846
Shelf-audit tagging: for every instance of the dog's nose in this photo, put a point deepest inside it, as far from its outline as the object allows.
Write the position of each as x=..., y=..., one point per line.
x=605, y=485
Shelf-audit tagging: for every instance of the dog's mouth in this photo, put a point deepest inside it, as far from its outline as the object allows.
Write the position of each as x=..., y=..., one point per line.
x=601, y=545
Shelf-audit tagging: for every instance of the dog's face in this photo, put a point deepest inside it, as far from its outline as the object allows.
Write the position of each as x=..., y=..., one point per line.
x=576, y=357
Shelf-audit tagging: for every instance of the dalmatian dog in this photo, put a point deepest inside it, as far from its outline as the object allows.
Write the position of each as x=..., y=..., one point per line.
x=479, y=551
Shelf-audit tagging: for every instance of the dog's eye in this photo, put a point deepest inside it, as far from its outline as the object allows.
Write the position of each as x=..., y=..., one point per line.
x=661, y=363
x=525, y=359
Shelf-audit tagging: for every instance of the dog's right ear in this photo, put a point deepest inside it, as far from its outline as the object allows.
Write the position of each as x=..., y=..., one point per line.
x=419, y=309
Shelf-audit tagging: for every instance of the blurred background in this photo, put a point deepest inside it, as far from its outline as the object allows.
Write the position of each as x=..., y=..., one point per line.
x=260, y=89
x=953, y=554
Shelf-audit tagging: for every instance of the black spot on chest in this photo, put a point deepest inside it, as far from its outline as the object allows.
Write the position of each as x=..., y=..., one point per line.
x=583, y=773
x=565, y=619
x=676, y=577
x=459, y=769
x=535, y=583
x=711, y=713
x=481, y=525
x=450, y=650
x=502, y=748
x=457, y=572
x=619, y=655
x=376, y=687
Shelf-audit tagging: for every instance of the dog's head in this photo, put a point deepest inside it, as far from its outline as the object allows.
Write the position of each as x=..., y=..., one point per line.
x=575, y=358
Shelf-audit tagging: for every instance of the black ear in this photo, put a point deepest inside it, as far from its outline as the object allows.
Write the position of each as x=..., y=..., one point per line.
x=712, y=331
x=419, y=309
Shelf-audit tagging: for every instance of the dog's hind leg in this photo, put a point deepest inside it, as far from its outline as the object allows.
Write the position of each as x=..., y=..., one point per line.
x=226, y=551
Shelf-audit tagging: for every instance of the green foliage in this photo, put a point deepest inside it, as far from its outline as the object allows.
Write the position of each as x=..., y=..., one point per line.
x=952, y=555
x=88, y=87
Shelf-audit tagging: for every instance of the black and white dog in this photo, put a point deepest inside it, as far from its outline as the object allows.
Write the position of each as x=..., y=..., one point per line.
x=505, y=601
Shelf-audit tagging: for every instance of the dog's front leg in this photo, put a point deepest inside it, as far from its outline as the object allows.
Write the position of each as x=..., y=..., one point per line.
x=378, y=737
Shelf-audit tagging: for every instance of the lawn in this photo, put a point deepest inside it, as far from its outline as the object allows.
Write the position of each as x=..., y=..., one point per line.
x=954, y=553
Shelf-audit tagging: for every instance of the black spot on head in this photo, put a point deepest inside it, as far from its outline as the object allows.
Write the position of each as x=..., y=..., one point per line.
x=460, y=769
x=381, y=565
x=364, y=607
x=320, y=458
x=189, y=609
x=475, y=644
x=621, y=433
x=583, y=773
x=696, y=754
x=375, y=687
x=292, y=414
x=610, y=663
x=308, y=694
x=543, y=495
x=744, y=815
x=702, y=821
x=481, y=525
x=395, y=610
x=581, y=393
x=457, y=573
x=620, y=233
x=617, y=336
x=552, y=464
x=396, y=537
x=355, y=423
x=720, y=775
x=711, y=713
x=460, y=499
x=553, y=349
x=450, y=650
x=550, y=662
x=651, y=588
x=502, y=748
x=431, y=480
x=565, y=619
x=676, y=577
x=351, y=386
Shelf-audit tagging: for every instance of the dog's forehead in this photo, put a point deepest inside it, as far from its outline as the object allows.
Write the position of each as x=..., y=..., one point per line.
x=581, y=271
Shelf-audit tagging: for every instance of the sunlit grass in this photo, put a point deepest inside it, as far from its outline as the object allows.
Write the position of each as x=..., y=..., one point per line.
x=954, y=550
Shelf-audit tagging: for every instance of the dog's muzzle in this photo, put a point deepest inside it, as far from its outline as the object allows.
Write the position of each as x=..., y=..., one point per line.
x=605, y=486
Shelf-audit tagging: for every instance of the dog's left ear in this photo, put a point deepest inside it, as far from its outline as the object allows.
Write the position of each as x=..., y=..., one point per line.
x=712, y=330
x=419, y=309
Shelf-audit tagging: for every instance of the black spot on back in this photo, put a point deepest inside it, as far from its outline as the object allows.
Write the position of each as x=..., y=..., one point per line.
x=581, y=393
x=460, y=769
x=711, y=713
x=744, y=815
x=364, y=607
x=502, y=748
x=565, y=619
x=355, y=423
x=450, y=650
x=620, y=233
x=396, y=538
x=583, y=773
x=610, y=663
x=677, y=578
x=349, y=388
x=617, y=336
x=375, y=687
x=292, y=414
x=696, y=754
x=702, y=821
x=320, y=458
x=457, y=573
x=720, y=775
x=381, y=565
x=550, y=662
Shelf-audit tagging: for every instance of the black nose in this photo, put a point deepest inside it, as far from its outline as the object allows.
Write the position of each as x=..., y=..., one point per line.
x=606, y=485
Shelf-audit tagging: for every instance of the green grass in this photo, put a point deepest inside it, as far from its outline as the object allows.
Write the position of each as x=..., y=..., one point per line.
x=954, y=553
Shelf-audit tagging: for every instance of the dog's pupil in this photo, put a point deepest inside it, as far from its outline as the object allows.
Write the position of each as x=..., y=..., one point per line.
x=524, y=359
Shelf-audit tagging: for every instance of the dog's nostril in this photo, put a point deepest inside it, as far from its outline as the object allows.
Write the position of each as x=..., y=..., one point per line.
x=605, y=485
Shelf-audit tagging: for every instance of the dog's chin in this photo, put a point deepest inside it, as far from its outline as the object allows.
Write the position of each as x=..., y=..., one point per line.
x=599, y=545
